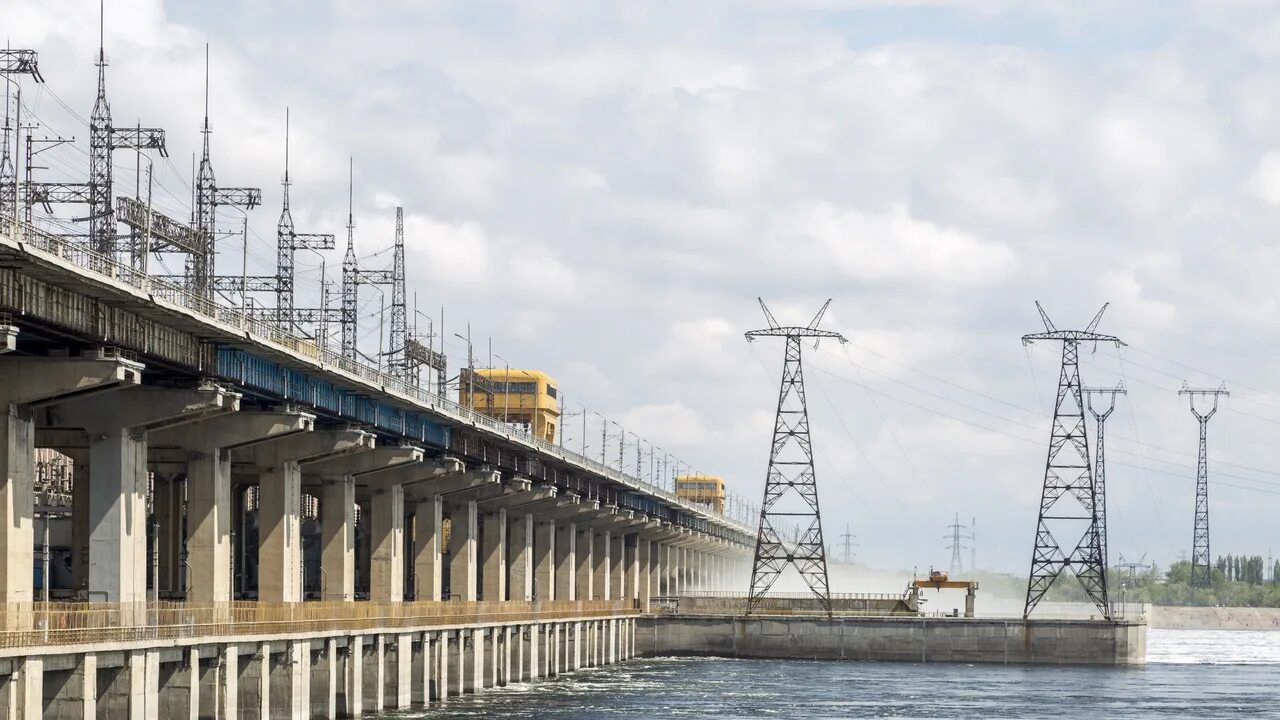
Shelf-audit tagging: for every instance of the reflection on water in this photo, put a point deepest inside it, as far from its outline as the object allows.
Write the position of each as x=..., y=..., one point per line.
x=1202, y=674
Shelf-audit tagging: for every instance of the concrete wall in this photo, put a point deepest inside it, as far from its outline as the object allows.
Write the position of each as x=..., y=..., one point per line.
x=1214, y=618
x=907, y=639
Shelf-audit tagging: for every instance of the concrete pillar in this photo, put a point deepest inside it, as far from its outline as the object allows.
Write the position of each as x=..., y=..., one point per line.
x=279, y=527
x=26, y=693
x=167, y=505
x=404, y=671
x=523, y=551
x=209, y=526
x=230, y=691
x=585, y=574
x=461, y=665
x=427, y=523
x=289, y=681
x=427, y=667
x=477, y=659
x=354, y=680
x=462, y=551
x=17, y=538
x=566, y=586
x=442, y=663
x=509, y=641
x=545, y=585
x=494, y=556
x=534, y=666
x=118, y=515
x=600, y=572
x=644, y=571
x=386, y=579
x=518, y=639
x=338, y=538
x=617, y=567
x=576, y=661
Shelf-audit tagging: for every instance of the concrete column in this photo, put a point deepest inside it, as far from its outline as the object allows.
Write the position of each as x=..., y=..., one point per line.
x=566, y=586
x=193, y=682
x=462, y=551
x=601, y=556
x=534, y=667
x=118, y=515
x=333, y=676
x=477, y=659
x=428, y=665
x=166, y=503
x=338, y=538
x=375, y=697
x=544, y=561
x=443, y=663
x=279, y=527
x=509, y=640
x=354, y=680
x=17, y=538
x=618, y=567
x=230, y=690
x=386, y=579
x=520, y=653
x=576, y=662
x=494, y=556
x=209, y=526
x=523, y=552
x=495, y=656
x=584, y=575
x=404, y=670
x=27, y=689
x=644, y=571
x=461, y=665
x=613, y=640
x=427, y=523
x=289, y=682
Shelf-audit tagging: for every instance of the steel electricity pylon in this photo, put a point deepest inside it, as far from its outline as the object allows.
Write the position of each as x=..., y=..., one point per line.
x=957, y=538
x=1201, y=572
x=1100, y=462
x=791, y=490
x=1068, y=497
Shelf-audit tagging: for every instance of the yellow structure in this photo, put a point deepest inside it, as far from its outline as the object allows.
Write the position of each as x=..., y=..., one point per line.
x=705, y=489
x=519, y=397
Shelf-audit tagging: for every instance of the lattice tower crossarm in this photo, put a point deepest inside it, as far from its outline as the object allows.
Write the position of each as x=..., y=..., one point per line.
x=1068, y=474
x=791, y=491
x=1100, y=462
x=1201, y=570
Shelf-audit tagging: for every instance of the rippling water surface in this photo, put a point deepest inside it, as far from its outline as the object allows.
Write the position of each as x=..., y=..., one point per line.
x=1201, y=674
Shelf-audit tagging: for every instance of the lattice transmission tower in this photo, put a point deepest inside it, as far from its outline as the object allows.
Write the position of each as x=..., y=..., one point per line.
x=791, y=490
x=1100, y=455
x=1068, y=497
x=957, y=538
x=13, y=62
x=1201, y=571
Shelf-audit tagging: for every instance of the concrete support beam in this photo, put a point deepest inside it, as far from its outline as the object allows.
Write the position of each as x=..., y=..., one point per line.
x=8, y=338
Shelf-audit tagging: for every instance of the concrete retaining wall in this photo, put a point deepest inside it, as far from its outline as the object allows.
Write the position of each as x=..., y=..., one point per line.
x=906, y=639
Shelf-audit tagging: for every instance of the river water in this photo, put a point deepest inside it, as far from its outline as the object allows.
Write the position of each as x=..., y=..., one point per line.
x=1198, y=674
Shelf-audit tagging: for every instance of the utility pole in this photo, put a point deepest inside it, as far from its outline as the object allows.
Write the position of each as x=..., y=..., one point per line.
x=1100, y=463
x=791, y=475
x=1068, y=497
x=1201, y=571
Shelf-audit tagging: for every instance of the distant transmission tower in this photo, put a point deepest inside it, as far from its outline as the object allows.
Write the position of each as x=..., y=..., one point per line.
x=848, y=543
x=790, y=472
x=1100, y=464
x=1200, y=569
x=1068, y=473
x=956, y=547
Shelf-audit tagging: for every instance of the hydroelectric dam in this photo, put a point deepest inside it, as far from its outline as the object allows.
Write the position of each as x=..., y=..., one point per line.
x=252, y=524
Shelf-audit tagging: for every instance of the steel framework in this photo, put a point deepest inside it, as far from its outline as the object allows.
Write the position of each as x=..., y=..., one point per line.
x=1100, y=457
x=1201, y=572
x=1068, y=474
x=957, y=539
x=791, y=476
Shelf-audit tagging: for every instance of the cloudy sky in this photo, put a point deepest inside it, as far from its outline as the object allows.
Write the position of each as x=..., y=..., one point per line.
x=605, y=188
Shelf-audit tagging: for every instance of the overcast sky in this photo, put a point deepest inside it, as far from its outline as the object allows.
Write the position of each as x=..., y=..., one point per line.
x=605, y=188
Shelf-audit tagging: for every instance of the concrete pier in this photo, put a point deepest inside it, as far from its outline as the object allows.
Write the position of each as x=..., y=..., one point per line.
x=899, y=639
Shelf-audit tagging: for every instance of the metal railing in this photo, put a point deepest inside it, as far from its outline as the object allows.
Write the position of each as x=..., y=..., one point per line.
x=24, y=625
x=262, y=330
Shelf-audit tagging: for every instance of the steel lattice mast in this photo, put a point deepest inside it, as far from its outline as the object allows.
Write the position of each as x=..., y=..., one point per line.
x=1100, y=462
x=1068, y=474
x=791, y=474
x=1201, y=573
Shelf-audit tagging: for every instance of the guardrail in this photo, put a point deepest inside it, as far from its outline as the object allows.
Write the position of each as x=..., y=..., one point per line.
x=735, y=595
x=77, y=254
x=25, y=625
